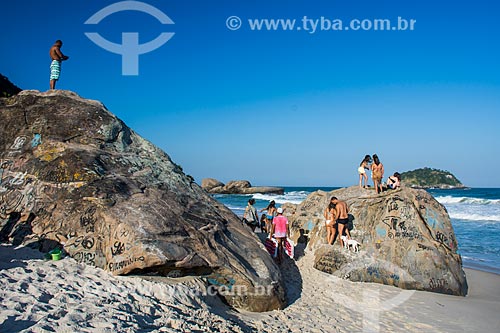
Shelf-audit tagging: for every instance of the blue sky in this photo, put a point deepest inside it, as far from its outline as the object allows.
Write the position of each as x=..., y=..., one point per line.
x=284, y=107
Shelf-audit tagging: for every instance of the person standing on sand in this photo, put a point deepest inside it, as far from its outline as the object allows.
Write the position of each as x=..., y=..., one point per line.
x=330, y=222
x=263, y=224
x=55, y=66
x=280, y=231
x=377, y=173
x=363, y=166
x=270, y=213
x=342, y=214
x=250, y=215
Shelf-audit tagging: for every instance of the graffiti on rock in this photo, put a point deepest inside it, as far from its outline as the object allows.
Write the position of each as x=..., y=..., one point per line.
x=399, y=229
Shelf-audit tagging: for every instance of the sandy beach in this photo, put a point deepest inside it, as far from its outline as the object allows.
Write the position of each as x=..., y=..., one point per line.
x=40, y=295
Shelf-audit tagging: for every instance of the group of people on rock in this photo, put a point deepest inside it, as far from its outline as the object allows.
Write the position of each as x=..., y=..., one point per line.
x=373, y=164
x=336, y=214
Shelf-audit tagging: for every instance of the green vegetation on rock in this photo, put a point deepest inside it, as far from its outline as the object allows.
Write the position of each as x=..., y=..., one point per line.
x=427, y=177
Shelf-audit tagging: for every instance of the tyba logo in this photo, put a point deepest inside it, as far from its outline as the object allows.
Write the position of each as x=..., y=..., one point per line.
x=130, y=49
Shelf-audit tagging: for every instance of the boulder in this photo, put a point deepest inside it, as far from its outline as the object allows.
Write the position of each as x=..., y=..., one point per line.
x=74, y=175
x=237, y=187
x=7, y=88
x=406, y=237
x=210, y=183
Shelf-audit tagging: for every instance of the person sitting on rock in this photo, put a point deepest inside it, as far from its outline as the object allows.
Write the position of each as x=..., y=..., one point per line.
x=394, y=181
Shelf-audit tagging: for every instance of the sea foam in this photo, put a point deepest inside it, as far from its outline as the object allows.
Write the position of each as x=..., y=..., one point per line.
x=467, y=200
x=295, y=197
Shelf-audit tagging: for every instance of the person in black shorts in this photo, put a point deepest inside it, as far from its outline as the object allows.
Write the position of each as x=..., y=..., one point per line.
x=341, y=212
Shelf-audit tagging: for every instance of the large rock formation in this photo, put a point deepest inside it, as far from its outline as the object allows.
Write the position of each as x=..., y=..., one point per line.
x=406, y=239
x=7, y=88
x=73, y=174
x=214, y=186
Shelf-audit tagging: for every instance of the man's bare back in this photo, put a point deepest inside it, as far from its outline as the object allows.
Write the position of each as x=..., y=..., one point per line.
x=342, y=218
x=56, y=54
x=342, y=210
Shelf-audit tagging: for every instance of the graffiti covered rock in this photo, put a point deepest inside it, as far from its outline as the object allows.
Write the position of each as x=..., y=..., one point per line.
x=406, y=239
x=73, y=174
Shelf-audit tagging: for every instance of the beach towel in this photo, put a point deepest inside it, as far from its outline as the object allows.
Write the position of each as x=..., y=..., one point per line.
x=272, y=247
x=289, y=247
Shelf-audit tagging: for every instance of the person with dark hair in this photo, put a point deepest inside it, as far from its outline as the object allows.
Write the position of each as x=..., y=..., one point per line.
x=394, y=181
x=250, y=215
x=270, y=213
x=330, y=221
x=263, y=223
x=363, y=166
x=377, y=173
x=55, y=66
x=342, y=215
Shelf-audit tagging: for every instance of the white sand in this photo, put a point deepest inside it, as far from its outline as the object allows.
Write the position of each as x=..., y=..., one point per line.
x=63, y=296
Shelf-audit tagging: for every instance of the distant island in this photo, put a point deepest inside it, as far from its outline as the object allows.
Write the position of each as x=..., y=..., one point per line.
x=430, y=178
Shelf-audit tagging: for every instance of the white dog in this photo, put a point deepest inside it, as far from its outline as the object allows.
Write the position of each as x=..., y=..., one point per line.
x=350, y=242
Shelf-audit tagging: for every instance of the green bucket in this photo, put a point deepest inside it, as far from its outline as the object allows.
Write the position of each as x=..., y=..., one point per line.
x=56, y=254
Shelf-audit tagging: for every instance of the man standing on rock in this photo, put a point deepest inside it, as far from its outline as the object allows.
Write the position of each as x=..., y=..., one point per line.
x=55, y=66
x=341, y=211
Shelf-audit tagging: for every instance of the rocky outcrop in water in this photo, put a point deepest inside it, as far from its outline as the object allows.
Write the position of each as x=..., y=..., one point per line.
x=74, y=175
x=406, y=237
x=214, y=186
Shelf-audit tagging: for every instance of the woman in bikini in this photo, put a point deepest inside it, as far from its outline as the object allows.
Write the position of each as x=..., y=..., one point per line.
x=377, y=173
x=363, y=166
x=270, y=214
x=330, y=221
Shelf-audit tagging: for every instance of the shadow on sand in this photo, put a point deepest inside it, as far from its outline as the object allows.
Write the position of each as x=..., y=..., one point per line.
x=292, y=280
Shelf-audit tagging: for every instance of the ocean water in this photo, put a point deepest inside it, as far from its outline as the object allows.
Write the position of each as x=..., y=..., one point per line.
x=474, y=213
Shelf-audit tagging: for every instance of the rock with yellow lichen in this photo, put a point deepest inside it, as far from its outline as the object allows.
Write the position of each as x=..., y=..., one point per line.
x=74, y=175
